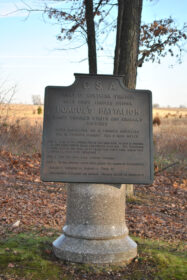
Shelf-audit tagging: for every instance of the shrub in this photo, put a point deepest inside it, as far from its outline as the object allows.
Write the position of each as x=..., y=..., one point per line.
x=39, y=110
x=156, y=121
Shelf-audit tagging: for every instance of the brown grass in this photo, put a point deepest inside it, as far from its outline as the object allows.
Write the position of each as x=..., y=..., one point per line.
x=170, y=112
x=170, y=138
x=20, y=111
x=21, y=136
x=21, y=130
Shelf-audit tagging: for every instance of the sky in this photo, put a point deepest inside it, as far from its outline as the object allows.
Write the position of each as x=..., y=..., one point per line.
x=30, y=57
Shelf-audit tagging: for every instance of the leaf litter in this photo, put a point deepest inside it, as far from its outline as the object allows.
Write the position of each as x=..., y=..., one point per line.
x=156, y=211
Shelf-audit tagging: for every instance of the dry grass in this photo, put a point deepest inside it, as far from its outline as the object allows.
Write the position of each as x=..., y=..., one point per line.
x=13, y=112
x=21, y=130
x=170, y=112
x=170, y=137
x=21, y=136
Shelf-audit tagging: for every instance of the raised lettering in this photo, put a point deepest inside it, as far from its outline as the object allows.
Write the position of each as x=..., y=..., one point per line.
x=98, y=85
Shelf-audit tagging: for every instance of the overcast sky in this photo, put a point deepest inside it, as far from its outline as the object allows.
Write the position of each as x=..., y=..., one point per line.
x=29, y=57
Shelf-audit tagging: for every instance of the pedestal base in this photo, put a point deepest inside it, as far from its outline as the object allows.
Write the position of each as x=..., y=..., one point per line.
x=95, y=251
x=95, y=229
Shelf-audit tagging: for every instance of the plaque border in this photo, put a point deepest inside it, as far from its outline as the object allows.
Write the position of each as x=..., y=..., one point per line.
x=120, y=79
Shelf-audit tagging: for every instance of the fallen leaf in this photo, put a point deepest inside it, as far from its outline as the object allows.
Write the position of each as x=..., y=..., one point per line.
x=16, y=224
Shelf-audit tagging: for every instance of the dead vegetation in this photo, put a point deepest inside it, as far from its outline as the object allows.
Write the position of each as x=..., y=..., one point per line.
x=156, y=121
x=20, y=128
x=170, y=138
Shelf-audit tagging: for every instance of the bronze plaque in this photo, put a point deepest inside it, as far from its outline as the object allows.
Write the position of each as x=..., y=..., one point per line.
x=97, y=130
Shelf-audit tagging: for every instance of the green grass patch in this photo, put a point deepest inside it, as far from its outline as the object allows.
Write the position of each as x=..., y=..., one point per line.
x=168, y=260
x=135, y=200
x=29, y=256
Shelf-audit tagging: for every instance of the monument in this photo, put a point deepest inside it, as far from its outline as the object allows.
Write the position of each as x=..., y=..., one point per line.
x=97, y=135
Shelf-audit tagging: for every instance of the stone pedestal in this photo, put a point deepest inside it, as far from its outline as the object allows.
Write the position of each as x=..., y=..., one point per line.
x=95, y=229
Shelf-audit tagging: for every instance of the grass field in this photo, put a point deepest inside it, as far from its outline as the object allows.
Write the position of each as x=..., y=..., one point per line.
x=21, y=130
x=170, y=137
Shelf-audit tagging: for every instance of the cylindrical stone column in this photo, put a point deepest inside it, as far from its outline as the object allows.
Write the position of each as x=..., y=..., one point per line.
x=95, y=229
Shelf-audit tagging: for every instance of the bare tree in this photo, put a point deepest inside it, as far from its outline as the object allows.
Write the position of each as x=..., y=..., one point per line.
x=155, y=40
x=36, y=99
x=88, y=22
x=7, y=92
